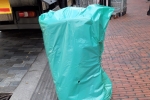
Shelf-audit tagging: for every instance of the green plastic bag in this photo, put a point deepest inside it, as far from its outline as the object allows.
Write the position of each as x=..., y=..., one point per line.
x=74, y=39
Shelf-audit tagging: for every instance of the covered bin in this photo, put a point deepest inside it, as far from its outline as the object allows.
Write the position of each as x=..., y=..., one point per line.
x=74, y=42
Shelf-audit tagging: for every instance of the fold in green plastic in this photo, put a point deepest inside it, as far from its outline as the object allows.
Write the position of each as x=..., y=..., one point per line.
x=73, y=39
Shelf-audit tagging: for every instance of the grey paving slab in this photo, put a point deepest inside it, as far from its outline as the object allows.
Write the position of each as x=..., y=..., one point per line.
x=18, y=52
x=17, y=72
x=1, y=79
x=14, y=83
x=20, y=57
x=19, y=65
x=13, y=58
x=31, y=79
x=27, y=45
x=6, y=57
x=3, y=71
x=2, y=61
x=17, y=61
x=33, y=53
x=8, y=89
x=4, y=84
x=32, y=57
x=10, y=79
x=29, y=62
x=10, y=53
x=7, y=65
x=20, y=75
x=12, y=75
x=26, y=67
x=33, y=50
x=3, y=76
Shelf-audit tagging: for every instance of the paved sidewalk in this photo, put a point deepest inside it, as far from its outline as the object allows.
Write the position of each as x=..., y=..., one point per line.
x=18, y=51
x=126, y=56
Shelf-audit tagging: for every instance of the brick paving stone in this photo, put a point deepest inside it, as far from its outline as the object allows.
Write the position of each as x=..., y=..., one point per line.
x=126, y=57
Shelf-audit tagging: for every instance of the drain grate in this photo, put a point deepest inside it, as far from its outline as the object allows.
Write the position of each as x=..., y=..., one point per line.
x=5, y=96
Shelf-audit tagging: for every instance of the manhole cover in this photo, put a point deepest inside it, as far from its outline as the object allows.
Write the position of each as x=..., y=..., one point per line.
x=5, y=96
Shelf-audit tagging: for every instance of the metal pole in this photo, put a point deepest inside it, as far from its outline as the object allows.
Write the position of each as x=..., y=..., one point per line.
x=109, y=2
x=104, y=2
x=101, y=2
x=77, y=3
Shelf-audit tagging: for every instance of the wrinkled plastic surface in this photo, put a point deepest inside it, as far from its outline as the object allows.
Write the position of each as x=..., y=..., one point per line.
x=73, y=39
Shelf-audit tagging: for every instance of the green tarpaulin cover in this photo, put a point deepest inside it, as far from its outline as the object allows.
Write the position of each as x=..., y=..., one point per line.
x=74, y=42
